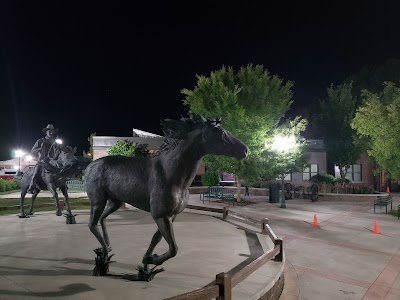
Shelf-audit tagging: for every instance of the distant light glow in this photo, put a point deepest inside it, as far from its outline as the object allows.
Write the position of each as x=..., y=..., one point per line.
x=19, y=153
x=28, y=157
x=16, y=167
x=284, y=143
x=59, y=141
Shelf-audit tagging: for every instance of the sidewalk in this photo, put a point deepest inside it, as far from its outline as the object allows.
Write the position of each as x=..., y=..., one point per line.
x=342, y=259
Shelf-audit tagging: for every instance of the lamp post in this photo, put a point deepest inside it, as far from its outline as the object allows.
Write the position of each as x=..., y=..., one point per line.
x=283, y=144
x=19, y=154
x=28, y=158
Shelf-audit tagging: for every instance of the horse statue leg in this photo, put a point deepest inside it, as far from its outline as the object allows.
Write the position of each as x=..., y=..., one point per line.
x=35, y=193
x=100, y=208
x=70, y=218
x=165, y=230
x=52, y=190
x=22, y=214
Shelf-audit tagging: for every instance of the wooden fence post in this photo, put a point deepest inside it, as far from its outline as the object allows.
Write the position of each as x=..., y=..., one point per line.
x=263, y=227
x=279, y=242
x=225, y=286
x=225, y=213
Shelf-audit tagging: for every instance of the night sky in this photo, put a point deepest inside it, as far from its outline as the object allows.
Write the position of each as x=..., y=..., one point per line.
x=111, y=67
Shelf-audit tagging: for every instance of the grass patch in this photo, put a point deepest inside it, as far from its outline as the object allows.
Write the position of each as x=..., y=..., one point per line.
x=38, y=209
x=38, y=200
x=75, y=203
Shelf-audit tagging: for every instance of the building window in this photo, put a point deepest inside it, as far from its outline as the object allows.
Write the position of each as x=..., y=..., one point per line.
x=310, y=171
x=354, y=173
x=288, y=177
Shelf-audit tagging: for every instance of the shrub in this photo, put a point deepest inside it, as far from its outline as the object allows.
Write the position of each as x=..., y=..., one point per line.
x=9, y=184
x=326, y=178
x=3, y=185
x=342, y=180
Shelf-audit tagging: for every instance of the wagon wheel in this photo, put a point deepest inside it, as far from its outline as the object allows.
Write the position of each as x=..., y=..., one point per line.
x=314, y=192
x=288, y=191
x=299, y=192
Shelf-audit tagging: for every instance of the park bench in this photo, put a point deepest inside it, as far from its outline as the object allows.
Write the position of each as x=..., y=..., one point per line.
x=219, y=193
x=383, y=201
x=75, y=184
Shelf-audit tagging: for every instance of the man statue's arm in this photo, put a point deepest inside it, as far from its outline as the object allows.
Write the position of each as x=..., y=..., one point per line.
x=37, y=147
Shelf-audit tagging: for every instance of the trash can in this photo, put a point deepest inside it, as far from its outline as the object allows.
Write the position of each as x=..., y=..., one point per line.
x=273, y=194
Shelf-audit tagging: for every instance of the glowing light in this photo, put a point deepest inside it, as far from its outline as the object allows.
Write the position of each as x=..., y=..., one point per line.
x=19, y=153
x=59, y=141
x=28, y=157
x=284, y=143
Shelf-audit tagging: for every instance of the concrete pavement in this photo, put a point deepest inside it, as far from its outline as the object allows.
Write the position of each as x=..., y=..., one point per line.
x=41, y=257
x=342, y=259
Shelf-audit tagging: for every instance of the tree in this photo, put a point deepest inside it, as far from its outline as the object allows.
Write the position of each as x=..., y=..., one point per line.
x=337, y=112
x=89, y=154
x=250, y=103
x=285, y=159
x=378, y=121
x=286, y=151
x=128, y=148
x=371, y=77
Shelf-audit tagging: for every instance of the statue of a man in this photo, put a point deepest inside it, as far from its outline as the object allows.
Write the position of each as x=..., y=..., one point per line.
x=41, y=151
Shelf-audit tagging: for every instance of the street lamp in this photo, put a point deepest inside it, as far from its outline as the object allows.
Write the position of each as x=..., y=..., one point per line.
x=19, y=154
x=283, y=144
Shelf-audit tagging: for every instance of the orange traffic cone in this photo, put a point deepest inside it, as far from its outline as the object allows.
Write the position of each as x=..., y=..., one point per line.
x=315, y=223
x=376, y=228
x=387, y=190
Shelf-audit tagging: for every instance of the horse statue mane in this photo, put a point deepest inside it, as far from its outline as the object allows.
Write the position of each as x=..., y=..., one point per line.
x=175, y=131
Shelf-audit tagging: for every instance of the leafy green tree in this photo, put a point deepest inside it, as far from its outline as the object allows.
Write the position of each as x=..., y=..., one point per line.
x=337, y=112
x=292, y=159
x=250, y=103
x=210, y=178
x=128, y=148
x=378, y=121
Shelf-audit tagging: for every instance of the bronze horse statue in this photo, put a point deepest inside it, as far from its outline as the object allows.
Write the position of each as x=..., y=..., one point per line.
x=54, y=173
x=159, y=184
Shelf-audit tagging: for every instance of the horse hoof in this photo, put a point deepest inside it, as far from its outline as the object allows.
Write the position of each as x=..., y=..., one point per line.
x=150, y=260
x=70, y=218
x=22, y=216
x=144, y=274
x=30, y=213
x=58, y=213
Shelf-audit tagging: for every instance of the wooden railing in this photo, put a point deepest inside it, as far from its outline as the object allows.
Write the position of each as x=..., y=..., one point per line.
x=221, y=288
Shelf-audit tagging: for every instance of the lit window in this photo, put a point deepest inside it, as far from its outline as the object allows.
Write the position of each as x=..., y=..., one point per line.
x=310, y=171
x=354, y=173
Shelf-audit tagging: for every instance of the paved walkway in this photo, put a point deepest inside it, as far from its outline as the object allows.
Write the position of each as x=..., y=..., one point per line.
x=343, y=258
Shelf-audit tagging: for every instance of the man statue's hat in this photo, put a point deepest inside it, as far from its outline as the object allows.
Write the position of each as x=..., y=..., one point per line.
x=49, y=127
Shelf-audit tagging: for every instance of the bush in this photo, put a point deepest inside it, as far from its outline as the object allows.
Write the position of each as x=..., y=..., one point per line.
x=9, y=185
x=3, y=185
x=210, y=178
x=342, y=180
x=326, y=178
